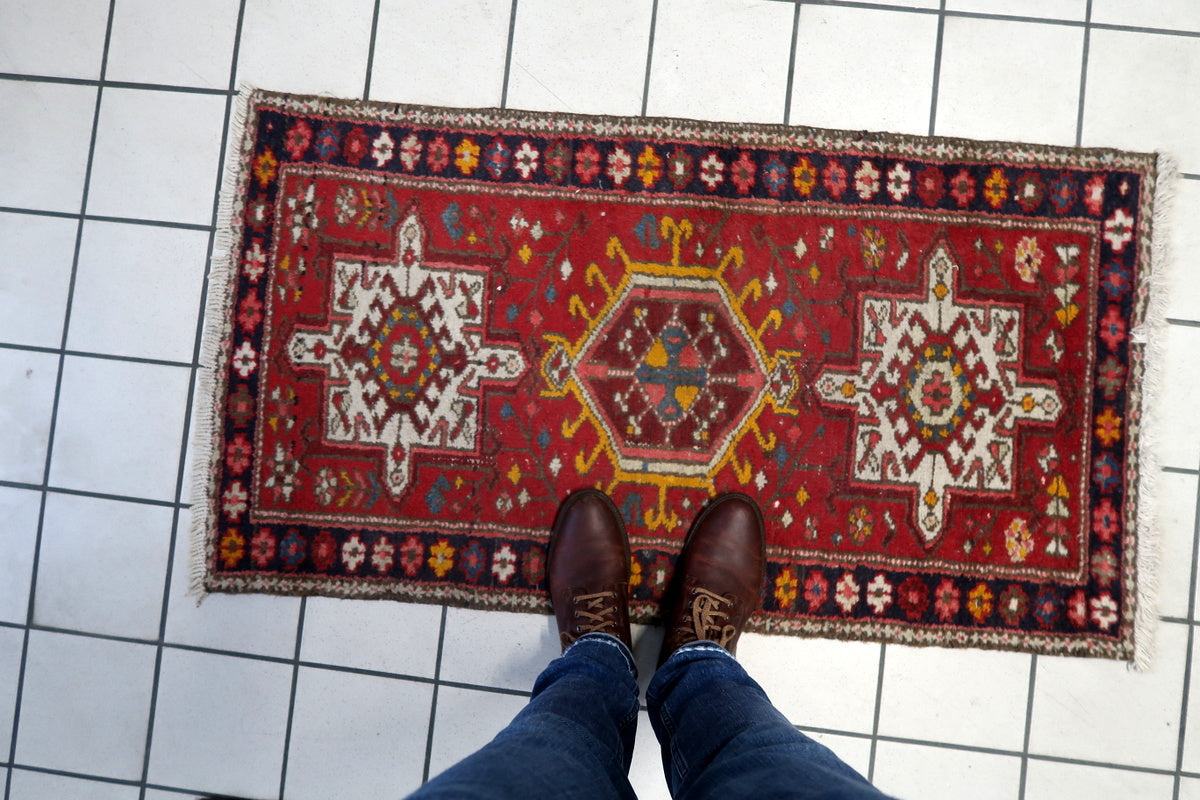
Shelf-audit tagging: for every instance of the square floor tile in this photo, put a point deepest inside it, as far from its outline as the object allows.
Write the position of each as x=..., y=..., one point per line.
x=19, y=508
x=37, y=273
x=646, y=771
x=885, y=86
x=119, y=428
x=797, y=675
x=939, y=773
x=580, y=56
x=157, y=156
x=63, y=38
x=219, y=724
x=935, y=694
x=86, y=705
x=137, y=291
x=11, y=643
x=985, y=95
x=497, y=648
x=1191, y=743
x=379, y=635
x=1179, y=15
x=1189, y=789
x=1180, y=444
x=720, y=60
x=27, y=785
x=27, y=382
x=1050, y=780
x=372, y=728
x=261, y=624
x=1183, y=238
x=466, y=720
x=1045, y=9
x=36, y=786
x=1176, y=510
x=1102, y=710
x=419, y=49
x=102, y=565
x=306, y=46
x=48, y=129
x=1141, y=94
x=180, y=44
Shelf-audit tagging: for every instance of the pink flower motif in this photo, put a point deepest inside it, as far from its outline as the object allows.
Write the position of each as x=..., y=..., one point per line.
x=587, y=163
x=816, y=590
x=835, y=178
x=930, y=186
x=356, y=145
x=237, y=454
x=1093, y=194
x=742, y=173
x=1112, y=328
x=412, y=555
x=262, y=547
x=298, y=140
x=962, y=188
x=438, y=156
x=1077, y=609
x=1105, y=522
x=946, y=600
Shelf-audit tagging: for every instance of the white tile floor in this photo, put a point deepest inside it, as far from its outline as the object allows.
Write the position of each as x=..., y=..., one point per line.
x=114, y=685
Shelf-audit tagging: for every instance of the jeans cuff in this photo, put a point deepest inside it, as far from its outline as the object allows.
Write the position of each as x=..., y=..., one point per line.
x=700, y=646
x=606, y=640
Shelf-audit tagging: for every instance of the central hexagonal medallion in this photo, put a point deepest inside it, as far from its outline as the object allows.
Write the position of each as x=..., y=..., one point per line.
x=671, y=372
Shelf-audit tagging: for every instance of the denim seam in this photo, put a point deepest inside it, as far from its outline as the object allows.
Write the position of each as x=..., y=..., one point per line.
x=620, y=648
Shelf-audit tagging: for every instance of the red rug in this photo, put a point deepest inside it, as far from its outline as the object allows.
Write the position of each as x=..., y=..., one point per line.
x=917, y=354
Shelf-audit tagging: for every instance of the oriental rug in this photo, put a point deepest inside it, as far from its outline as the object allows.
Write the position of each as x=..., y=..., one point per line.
x=925, y=358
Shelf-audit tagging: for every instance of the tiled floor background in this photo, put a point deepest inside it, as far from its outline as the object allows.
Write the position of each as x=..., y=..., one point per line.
x=115, y=117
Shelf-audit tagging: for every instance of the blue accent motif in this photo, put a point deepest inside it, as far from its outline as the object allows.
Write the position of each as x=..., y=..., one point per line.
x=511, y=313
x=788, y=308
x=327, y=142
x=647, y=231
x=435, y=498
x=506, y=411
x=551, y=293
x=544, y=439
x=451, y=218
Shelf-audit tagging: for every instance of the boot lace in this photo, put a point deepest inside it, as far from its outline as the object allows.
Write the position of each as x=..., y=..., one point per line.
x=597, y=613
x=709, y=618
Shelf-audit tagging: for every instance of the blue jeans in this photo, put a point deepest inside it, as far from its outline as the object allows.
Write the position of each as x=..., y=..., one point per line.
x=720, y=735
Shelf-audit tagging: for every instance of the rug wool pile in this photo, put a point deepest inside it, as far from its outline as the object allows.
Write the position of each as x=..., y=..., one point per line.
x=921, y=356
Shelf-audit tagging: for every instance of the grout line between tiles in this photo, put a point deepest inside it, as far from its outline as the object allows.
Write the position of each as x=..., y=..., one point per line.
x=937, y=67
x=1186, y=323
x=189, y=407
x=154, y=87
x=878, y=707
x=512, y=29
x=437, y=677
x=1190, y=176
x=1083, y=71
x=371, y=51
x=291, y=711
x=1185, y=701
x=37, y=546
x=1033, y=664
x=158, y=223
x=649, y=56
x=41, y=487
x=791, y=73
x=33, y=348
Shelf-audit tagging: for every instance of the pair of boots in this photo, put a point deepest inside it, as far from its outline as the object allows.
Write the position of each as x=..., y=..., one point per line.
x=715, y=589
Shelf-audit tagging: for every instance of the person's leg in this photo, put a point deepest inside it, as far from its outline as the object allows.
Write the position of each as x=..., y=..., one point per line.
x=722, y=737
x=574, y=739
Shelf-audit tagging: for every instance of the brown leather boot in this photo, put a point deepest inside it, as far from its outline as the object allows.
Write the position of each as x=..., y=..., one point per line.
x=588, y=568
x=718, y=577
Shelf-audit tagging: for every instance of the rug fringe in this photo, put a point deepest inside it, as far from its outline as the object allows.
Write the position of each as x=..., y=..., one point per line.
x=1151, y=335
x=222, y=278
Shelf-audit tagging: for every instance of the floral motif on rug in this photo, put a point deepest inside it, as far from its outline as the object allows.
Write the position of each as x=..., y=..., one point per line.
x=918, y=355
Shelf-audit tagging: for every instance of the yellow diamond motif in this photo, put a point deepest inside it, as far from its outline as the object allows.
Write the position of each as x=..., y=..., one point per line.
x=514, y=474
